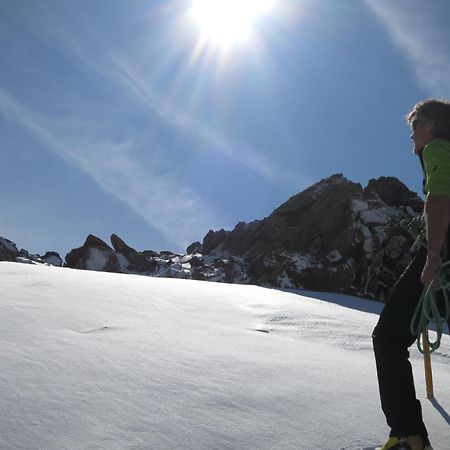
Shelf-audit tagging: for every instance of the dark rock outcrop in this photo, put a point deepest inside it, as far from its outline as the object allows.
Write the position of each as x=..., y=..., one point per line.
x=394, y=193
x=94, y=254
x=137, y=262
x=334, y=236
x=53, y=259
x=195, y=247
x=10, y=252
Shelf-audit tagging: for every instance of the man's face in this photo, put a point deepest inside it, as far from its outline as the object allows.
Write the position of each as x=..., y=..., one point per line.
x=422, y=133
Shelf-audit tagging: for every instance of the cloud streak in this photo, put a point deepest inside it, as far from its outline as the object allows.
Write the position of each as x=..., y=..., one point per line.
x=415, y=31
x=113, y=66
x=177, y=213
x=241, y=153
x=158, y=196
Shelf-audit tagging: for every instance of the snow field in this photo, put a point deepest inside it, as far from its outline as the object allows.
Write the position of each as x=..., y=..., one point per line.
x=93, y=360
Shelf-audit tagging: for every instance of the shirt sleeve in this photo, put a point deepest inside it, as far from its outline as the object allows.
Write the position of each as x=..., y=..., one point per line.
x=436, y=158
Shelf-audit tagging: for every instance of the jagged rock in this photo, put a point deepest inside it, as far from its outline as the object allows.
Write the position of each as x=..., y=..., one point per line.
x=29, y=258
x=53, y=259
x=95, y=254
x=8, y=250
x=137, y=262
x=311, y=220
x=94, y=241
x=213, y=239
x=337, y=279
x=239, y=239
x=263, y=266
x=196, y=261
x=178, y=272
x=396, y=247
x=351, y=235
x=373, y=274
x=197, y=274
x=394, y=193
x=335, y=236
x=195, y=247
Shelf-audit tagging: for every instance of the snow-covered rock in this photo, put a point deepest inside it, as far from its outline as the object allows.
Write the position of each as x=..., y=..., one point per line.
x=53, y=259
x=10, y=252
x=335, y=235
x=330, y=223
x=95, y=254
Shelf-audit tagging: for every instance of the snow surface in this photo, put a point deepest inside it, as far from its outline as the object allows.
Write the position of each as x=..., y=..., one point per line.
x=97, y=259
x=93, y=360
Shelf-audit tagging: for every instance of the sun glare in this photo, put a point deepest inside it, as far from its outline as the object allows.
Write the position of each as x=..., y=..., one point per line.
x=228, y=22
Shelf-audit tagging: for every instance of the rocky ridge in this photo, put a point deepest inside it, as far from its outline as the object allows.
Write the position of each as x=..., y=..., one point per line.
x=10, y=252
x=334, y=236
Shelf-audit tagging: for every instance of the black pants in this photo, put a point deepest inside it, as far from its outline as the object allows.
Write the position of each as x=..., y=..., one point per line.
x=391, y=339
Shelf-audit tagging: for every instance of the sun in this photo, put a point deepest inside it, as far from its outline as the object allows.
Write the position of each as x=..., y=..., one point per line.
x=225, y=23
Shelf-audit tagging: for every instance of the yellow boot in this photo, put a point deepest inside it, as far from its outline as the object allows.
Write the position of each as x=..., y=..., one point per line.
x=414, y=442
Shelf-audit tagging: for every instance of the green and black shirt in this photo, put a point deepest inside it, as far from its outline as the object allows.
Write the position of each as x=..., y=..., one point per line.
x=435, y=159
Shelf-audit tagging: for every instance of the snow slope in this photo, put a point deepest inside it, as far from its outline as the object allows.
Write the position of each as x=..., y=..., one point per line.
x=93, y=360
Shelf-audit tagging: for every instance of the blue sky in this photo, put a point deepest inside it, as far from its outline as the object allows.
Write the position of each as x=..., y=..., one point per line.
x=117, y=116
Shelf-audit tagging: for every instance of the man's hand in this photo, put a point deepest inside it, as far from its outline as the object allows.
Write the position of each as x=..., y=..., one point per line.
x=430, y=270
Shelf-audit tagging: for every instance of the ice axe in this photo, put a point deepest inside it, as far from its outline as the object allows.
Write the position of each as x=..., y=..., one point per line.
x=427, y=363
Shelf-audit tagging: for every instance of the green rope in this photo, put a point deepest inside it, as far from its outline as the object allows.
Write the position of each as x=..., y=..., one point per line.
x=427, y=310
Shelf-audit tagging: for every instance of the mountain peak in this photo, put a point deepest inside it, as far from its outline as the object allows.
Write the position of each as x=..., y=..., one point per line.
x=333, y=236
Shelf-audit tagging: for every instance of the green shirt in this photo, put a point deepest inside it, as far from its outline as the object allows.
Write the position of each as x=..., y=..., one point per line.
x=436, y=158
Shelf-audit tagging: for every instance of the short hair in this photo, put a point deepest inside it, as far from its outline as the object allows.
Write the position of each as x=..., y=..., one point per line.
x=436, y=111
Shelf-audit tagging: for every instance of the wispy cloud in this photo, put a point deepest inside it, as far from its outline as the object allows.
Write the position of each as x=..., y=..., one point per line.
x=157, y=197
x=109, y=64
x=415, y=30
x=241, y=152
x=155, y=194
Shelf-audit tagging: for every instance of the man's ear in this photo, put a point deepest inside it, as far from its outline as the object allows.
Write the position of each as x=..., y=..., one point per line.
x=429, y=128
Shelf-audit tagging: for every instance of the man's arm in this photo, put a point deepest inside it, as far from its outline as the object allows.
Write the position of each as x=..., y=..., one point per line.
x=437, y=219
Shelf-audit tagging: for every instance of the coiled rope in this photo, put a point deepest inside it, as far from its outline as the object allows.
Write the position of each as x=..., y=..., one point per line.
x=427, y=310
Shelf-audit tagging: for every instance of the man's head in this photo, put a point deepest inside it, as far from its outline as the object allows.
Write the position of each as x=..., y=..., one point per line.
x=430, y=119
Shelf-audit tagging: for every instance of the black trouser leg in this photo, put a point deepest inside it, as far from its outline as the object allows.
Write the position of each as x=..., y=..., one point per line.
x=391, y=339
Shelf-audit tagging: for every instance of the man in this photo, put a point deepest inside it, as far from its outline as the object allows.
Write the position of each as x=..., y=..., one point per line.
x=430, y=122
